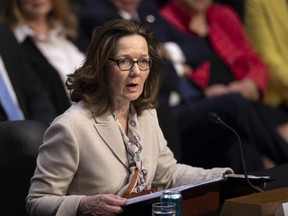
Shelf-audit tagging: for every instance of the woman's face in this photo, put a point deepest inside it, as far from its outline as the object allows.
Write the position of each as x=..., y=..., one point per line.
x=127, y=5
x=35, y=9
x=196, y=5
x=127, y=85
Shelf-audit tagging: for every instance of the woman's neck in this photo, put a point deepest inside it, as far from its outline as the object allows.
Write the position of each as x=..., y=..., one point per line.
x=122, y=114
x=40, y=26
x=198, y=24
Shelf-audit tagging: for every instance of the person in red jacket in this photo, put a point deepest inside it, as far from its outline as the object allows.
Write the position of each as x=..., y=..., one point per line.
x=224, y=61
x=230, y=63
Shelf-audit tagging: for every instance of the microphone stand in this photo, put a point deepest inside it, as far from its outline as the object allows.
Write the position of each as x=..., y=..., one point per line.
x=215, y=118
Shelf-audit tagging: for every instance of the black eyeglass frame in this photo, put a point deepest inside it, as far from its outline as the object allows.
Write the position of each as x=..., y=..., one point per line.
x=117, y=61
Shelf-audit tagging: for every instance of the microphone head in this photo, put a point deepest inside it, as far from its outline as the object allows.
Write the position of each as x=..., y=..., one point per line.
x=214, y=117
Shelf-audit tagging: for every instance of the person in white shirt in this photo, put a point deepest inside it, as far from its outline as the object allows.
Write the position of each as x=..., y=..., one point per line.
x=21, y=85
x=48, y=32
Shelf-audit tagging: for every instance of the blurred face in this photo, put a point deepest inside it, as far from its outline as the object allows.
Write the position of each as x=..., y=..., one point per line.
x=127, y=5
x=196, y=5
x=127, y=85
x=35, y=9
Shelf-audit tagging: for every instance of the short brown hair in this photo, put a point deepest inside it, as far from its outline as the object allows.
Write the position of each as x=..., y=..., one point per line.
x=90, y=83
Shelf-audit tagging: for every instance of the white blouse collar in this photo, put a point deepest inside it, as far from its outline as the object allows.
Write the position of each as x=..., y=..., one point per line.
x=22, y=31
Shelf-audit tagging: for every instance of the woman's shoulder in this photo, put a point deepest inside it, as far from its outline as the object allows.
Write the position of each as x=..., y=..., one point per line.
x=148, y=115
x=75, y=114
x=149, y=112
x=221, y=10
x=223, y=14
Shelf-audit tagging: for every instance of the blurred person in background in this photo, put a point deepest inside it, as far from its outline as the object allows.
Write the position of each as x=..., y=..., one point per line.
x=48, y=33
x=267, y=28
x=28, y=98
x=225, y=63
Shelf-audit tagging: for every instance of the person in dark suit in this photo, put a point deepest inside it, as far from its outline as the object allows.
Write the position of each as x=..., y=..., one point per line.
x=49, y=36
x=31, y=97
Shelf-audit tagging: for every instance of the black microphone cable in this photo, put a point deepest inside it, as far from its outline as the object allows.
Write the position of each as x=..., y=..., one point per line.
x=216, y=119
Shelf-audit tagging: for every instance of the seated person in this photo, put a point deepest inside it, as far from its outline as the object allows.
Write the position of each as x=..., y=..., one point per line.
x=109, y=144
x=268, y=33
x=49, y=36
x=225, y=63
x=29, y=100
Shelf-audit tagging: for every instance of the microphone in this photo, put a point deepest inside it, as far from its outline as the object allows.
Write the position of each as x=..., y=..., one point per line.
x=216, y=119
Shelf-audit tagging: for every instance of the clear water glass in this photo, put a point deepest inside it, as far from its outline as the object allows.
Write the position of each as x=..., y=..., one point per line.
x=163, y=209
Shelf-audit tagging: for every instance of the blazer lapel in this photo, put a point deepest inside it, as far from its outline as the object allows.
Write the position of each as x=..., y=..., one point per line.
x=107, y=128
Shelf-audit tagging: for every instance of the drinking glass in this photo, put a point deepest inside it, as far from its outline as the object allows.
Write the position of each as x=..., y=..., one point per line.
x=163, y=209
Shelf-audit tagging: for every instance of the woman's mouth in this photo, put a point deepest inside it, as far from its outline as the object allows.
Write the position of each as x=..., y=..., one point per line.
x=132, y=87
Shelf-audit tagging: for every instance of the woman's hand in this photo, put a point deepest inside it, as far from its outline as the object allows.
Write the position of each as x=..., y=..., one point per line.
x=216, y=90
x=247, y=88
x=103, y=204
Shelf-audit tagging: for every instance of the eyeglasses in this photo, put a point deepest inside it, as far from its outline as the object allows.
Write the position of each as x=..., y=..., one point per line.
x=125, y=64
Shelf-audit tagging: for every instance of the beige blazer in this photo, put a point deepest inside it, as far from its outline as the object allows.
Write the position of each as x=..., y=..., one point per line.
x=82, y=155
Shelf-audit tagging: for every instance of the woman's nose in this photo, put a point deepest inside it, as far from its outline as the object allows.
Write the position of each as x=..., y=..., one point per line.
x=135, y=70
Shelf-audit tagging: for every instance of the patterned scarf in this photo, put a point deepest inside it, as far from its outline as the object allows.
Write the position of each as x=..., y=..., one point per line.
x=139, y=178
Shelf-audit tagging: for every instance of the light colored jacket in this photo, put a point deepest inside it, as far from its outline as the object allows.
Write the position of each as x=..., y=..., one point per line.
x=82, y=155
x=267, y=26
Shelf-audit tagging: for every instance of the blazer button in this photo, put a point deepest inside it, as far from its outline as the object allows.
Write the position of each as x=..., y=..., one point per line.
x=132, y=123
